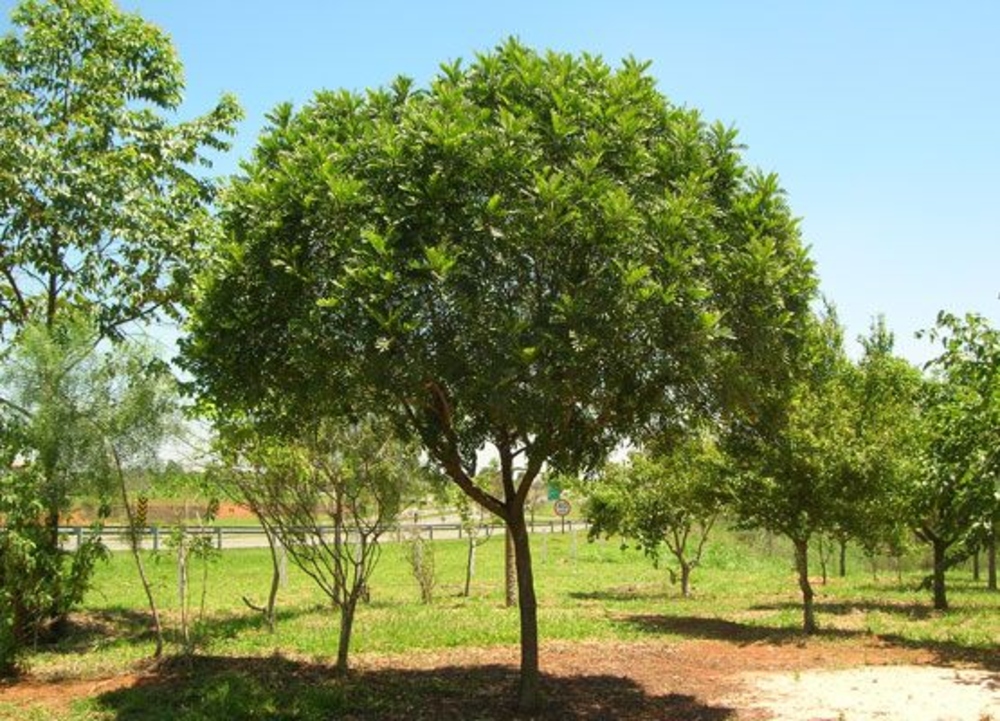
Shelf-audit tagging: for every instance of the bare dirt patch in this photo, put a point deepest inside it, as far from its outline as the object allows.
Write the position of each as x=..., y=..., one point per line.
x=706, y=680
x=882, y=693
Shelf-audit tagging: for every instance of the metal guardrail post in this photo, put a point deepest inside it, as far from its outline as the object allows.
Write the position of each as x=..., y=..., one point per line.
x=156, y=538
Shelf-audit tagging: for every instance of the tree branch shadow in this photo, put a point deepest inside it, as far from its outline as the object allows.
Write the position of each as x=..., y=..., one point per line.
x=185, y=689
x=628, y=593
x=915, y=611
x=718, y=629
x=82, y=631
x=945, y=653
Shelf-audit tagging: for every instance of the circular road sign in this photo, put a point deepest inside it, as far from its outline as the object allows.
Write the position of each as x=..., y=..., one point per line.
x=562, y=507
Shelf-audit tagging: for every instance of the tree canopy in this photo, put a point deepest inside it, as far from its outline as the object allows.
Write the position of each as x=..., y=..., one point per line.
x=539, y=253
x=100, y=201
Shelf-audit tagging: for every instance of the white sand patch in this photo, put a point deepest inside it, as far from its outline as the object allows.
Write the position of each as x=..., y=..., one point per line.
x=870, y=693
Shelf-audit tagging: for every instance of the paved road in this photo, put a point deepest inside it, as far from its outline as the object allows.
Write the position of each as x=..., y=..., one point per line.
x=226, y=537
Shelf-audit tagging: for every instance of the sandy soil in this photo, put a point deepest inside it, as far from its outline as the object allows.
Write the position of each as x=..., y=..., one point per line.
x=870, y=693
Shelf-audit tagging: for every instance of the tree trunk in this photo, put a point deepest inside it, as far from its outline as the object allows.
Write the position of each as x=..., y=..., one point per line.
x=54, y=612
x=802, y=566
x=133, y=538
x=528, y=691
x=510, y=569
x=182, y=592
x=470, y=565
x=272, y=596
x=157, y=626
x=991, y=558
x=976, y=575
x=843, y=558
x=685, y=580
x=346, y=627
x=824, y=555
x=940, y=595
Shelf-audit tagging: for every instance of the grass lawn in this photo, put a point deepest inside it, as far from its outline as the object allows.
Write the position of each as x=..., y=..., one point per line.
x=587, y=592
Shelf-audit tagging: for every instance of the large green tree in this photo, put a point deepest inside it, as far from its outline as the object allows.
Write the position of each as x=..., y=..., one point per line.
x=537, y=253
x=101, y=203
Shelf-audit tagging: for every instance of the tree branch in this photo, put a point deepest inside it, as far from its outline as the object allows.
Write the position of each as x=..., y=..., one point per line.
x=22, y=304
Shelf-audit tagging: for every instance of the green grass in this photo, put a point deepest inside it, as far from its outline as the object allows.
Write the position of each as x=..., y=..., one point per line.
x=744, y=591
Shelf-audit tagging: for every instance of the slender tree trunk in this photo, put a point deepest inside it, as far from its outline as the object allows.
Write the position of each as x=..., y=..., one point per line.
x=137, y=557
x=940, y=594
x=54, y=612
x=976, y=575
x=991, y=558
x=685, y=579
x=52, y=527
x=824, y=555
x=510, y=569
x=528, y=692
x=272, y=596
x=802, y=566
x=843, y=558
x=182, y=592
x=470, y=565
x=346, y=627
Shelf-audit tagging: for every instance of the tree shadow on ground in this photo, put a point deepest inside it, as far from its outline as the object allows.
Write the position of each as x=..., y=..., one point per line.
x=233, y=625
x=81, y=632
x=946, y=653
x=915, y=611
x=718, y=629
x=628, y=593
x=186, y=689
x=949, y=653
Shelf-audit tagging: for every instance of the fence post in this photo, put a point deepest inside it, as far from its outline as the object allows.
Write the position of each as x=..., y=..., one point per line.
x=156, y=538
x=218, y=537
x=79, y=537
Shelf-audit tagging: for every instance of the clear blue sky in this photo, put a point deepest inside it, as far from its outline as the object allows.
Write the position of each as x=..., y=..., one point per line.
x=880, y=117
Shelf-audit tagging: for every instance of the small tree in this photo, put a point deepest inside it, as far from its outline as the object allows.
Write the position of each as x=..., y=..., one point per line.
x=53, y=389
x=420, y=553
x=193, y=541
x=956, y=489
x=797, y=457
x=138, y=415
x=669, y=498
x=474, y=531
x=887, y=437
x=328, y=496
